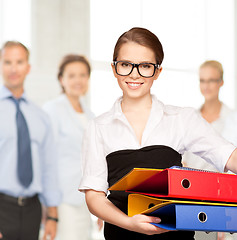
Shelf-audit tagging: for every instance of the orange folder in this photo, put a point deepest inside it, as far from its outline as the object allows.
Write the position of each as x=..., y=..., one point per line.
x=141, y=204
x=180, y=183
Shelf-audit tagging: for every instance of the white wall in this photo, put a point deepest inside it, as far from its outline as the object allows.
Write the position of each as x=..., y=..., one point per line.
x=235, y=50
x=58, y=28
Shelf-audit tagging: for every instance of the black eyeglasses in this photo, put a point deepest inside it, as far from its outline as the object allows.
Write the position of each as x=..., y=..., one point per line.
x=146, y=70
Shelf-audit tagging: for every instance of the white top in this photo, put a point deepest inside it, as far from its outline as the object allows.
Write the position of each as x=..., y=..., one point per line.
x=68, y=128
x=83, y=119
x=219, y=123
x=179, y=128
x=194, y=161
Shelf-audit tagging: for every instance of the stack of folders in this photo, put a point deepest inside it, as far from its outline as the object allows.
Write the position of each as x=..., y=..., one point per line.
x=184, y=199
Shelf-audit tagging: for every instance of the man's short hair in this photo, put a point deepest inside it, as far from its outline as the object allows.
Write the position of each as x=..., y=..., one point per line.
x=15, y=44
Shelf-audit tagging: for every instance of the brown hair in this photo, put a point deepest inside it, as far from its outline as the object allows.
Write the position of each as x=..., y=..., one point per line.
x=214, y=64
x=143, y=37
x=15, y=44
x=70, y=58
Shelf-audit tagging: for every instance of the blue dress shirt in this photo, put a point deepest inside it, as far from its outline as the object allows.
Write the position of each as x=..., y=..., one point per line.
x=45, y=182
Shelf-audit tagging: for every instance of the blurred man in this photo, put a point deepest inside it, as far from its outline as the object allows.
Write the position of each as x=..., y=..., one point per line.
x=27, y=154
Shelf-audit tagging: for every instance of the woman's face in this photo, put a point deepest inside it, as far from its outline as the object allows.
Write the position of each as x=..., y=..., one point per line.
x=75, y=79
x=134, y=85
x=210, y=82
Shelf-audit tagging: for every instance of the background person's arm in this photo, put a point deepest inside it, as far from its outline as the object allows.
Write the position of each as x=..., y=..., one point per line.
x=51, y=223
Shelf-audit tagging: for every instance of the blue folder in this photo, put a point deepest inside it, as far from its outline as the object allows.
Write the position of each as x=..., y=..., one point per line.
x=197, y=217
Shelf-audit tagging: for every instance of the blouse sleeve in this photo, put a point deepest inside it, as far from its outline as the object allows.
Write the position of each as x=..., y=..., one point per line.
x=201, y=139
x=94, y=166
x=230, y=130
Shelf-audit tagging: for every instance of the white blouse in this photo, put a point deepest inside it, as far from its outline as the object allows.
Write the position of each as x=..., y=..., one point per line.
x=179, y=128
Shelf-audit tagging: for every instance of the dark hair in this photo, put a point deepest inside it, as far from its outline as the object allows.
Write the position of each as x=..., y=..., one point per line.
x=70, y=58
x=15, y=44
x=143, y=37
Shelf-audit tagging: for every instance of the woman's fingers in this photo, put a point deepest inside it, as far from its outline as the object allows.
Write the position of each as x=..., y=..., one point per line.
x=142, y=223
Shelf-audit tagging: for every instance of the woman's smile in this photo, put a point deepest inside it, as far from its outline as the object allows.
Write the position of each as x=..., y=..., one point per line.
x=134, y=85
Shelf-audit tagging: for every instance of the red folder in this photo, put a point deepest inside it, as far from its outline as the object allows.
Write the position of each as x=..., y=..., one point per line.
x=180, y=183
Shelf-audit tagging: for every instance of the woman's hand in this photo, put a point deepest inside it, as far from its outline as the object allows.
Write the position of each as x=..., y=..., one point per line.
x=142, y=224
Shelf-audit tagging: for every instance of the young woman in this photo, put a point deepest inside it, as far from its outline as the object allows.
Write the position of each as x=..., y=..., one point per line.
x=140, y=131
x=70, y=117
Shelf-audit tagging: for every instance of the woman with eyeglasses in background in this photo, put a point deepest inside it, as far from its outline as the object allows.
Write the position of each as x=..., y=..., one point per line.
x=211, y=81
x=213, y=110
x=140, y=131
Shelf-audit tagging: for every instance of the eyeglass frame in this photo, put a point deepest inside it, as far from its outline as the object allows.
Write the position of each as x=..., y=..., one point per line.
x=136, y=65
x=210, y=81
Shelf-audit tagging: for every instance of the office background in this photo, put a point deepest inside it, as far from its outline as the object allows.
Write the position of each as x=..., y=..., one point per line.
x=191, y=32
